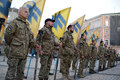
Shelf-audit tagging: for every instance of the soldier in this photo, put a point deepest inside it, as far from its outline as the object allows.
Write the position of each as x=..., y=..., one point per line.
x=83, y=46
x=74, y=61
x=93, y=56
x=101, y=56
x=61, y=51
x=105, y=56
x=109, y=58
x=47, y=40
x=69, y=49
x=19, y=37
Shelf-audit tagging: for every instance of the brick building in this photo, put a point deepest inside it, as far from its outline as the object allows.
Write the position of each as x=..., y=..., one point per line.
x=103, y=23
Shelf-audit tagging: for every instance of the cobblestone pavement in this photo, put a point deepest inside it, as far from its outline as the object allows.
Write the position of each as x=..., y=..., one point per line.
x=109, y=74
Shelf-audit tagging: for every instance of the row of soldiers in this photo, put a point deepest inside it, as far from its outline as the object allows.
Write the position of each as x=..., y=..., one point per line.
x=19, y=38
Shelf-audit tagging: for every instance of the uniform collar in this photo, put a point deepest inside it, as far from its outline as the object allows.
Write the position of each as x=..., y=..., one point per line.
x=21, y=19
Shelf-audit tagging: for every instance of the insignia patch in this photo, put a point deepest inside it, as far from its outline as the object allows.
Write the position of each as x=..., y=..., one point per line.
x=9, y=29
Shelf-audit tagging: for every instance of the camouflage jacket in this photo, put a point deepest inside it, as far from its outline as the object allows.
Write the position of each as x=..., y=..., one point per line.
x=101, y=51
x=19, y=37
x=46, y=39
x=93, y=51
x=68, y=44
x=106, y=52
x=83, y=46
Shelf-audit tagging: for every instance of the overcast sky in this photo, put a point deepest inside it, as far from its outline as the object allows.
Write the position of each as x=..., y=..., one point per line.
x=90, y=8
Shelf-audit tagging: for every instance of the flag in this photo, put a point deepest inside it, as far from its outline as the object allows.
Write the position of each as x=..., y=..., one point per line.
x=93, y=36
x=61, y=19
x=35, y=13
x=4, y=10
x=97, y=38
x=77, y=28
x=86, y=30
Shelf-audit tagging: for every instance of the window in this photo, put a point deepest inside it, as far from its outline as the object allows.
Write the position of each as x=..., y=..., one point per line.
x=106, y=32
x=106, y=21
x=106, y=42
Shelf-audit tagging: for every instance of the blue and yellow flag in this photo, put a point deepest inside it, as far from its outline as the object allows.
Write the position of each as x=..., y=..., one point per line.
x=61, y=19
x=86, y=30
x=77, y=28
x=4, y=10
x=93, y=36
x=35, y=13
x=97, y=38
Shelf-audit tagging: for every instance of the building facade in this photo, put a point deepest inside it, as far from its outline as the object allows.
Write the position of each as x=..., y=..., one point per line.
x=103, y=23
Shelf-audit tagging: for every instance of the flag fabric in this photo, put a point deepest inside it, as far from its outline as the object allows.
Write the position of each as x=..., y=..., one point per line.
x=35, y=13
x=61, y=19
x=97, y=38
x=4, y=10
x=77, y=28
x=86, y=30
x=93, y=36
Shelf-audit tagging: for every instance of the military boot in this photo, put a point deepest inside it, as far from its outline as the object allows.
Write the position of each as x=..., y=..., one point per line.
x=41, y=78
x=64, y=77
x=91, y=71
x=104, y=67
x=69, y=78
x=81, y=76
x=99, y=69
x=46, y=78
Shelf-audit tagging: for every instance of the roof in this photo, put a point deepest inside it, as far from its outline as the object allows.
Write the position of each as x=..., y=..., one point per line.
x=103, y=15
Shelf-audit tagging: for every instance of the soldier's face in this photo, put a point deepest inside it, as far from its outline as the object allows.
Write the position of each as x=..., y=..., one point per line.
x=24, y=13
x=50, y=23
x=72, y=29
x=84, y=37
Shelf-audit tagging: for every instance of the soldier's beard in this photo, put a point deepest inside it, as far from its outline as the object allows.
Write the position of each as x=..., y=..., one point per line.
x=71, y=31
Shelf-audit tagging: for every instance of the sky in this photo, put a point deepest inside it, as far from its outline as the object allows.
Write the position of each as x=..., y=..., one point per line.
x=90, y=8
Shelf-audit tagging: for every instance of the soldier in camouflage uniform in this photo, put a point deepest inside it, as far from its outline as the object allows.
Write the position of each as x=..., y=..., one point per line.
x=19, y=38
x=69, y=50
x=105, y=57
x=109, y=58
x=93, y=56
x=46, y=39
x=101, y=52
x=113, y=57
x=83, y=46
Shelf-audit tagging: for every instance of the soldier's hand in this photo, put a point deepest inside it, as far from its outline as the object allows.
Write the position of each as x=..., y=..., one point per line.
x=41, y=53
x=60, y=45
x=83, y=57
x=78, y=50
x=38, y=47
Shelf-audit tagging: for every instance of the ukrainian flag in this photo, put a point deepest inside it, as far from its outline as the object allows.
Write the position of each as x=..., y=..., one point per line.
x=4, y=10
x=97, y=38
x=86, y=30
x=61, y=19
x=35, y=13
x=77, y=28
x=93, y=36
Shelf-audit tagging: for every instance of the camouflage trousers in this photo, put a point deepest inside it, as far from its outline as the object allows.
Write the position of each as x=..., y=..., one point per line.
x=74, y=62
x=61, y=63
x=104, y=62
x=15, y=69
x=92, y=64
x=46, y=62
x=82, y=66
x=101, y=62
x=66, y=65
x=109, y=63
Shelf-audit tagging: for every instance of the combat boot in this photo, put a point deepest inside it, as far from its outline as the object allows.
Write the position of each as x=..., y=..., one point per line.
x=99, y=69
x=46, y=78
x=69, y=78
x=64, y=77
x=104, y=67
x=80, y=76
x=41, y=78
x=91, y=71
